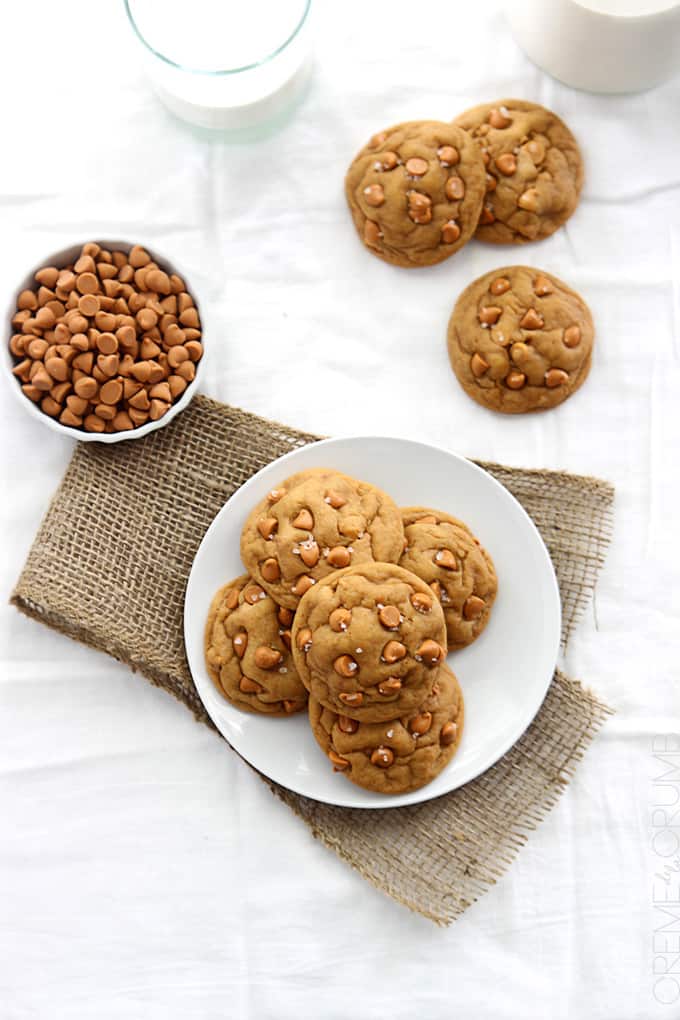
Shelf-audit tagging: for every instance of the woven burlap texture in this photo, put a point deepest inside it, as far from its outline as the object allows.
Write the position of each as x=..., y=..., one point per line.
x=109, y=567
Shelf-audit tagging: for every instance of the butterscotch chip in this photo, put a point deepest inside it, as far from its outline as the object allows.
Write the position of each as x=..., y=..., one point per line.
x=450, y=232
x=36, y=348
x=57, y=368
x=123, y=422
x=161, y=391
x=91, y=423
x=137, y=416
x=448, y=155
x=461, y=569
x=391, y=673
x=138, y=257
x=399, y=754
x=176, y=355
x=159, y=281
x=50, y=406
x=532, y=351
x=47, y=276
x=158, y=409
x=140, y=401
x=243, y=640
x=77, y=405
x=17, y=345
x=68, y=418
x=24, y=371
x=111, y=392
x=86, y=387
x=194, y=349
x=189, y=317
x=87, y=283
x=45, y=318
x=515, y=380
x=312, y=538
x=407, y=182
x=60, y=391
x=88, y=305
x=536, y=167
x=107, y=343
x=149, y=349
x=186, y=370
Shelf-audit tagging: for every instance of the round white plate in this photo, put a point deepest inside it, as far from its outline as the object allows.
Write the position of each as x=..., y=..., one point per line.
x=504, y=675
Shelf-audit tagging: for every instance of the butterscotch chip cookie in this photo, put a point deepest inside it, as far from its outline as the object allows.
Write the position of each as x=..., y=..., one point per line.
x=368, y=642
x=415, y=192
x=247, y=650
x=314, y=523
x=534, y=170
x=400, y=754
x=444, y=553
x=520, y=340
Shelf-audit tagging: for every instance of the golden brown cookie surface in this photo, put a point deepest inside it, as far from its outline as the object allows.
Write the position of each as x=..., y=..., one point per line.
x=444, y=553
x=247, y=650
x=400, y=754
x=534, y=170
x=368, y=641
x=520, y=340
x=415, y=192
x=314, y=523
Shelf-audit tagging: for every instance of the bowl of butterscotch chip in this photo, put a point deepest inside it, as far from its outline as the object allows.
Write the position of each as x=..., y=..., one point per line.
x=104, y=341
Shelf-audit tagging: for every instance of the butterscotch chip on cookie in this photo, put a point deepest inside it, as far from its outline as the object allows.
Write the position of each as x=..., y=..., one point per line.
x=247, y=650
x=313, y=524
x=444, y=553
x=400, y=754
x=520, y=340
x=368, y=642
x=415, y=192
x=534, y=170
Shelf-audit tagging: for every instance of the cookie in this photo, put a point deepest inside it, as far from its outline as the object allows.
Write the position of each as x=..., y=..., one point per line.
x=397, y=755
x=369, y=640
x=311, y=525
x=247, y=650
x=444, y=553
x=534, y=170
x=520, y=340
x=416, y=191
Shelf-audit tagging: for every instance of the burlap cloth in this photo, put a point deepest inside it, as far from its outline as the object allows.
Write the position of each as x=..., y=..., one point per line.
x=109, y=567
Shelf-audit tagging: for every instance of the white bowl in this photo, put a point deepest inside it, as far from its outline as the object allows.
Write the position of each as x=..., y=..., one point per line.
x=61, y=259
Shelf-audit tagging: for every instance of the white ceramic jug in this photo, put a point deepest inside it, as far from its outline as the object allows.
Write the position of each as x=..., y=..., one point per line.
x=600, y=45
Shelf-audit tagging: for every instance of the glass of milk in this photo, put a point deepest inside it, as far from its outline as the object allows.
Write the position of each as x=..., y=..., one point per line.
x=600, y=45
x=228, y=66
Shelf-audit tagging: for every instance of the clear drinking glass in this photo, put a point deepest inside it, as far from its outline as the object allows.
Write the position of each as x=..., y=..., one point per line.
x=225, y=65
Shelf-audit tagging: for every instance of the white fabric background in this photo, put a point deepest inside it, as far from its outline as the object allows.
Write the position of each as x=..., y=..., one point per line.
x=144, y=871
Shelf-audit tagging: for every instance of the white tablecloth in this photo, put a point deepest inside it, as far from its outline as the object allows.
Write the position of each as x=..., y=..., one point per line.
x=144, y=871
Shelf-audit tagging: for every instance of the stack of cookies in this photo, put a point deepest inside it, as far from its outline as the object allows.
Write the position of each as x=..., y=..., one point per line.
x=349, y=607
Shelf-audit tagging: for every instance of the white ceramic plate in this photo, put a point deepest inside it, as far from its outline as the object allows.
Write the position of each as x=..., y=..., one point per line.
x=504, y=675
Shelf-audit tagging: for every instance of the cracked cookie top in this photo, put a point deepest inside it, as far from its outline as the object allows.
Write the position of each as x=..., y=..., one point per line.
x=534, y=170
x=415, y=192
x=368, y=642
x=520, y=340
x=313, y=524
x=400, y=754
x=247, y=650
